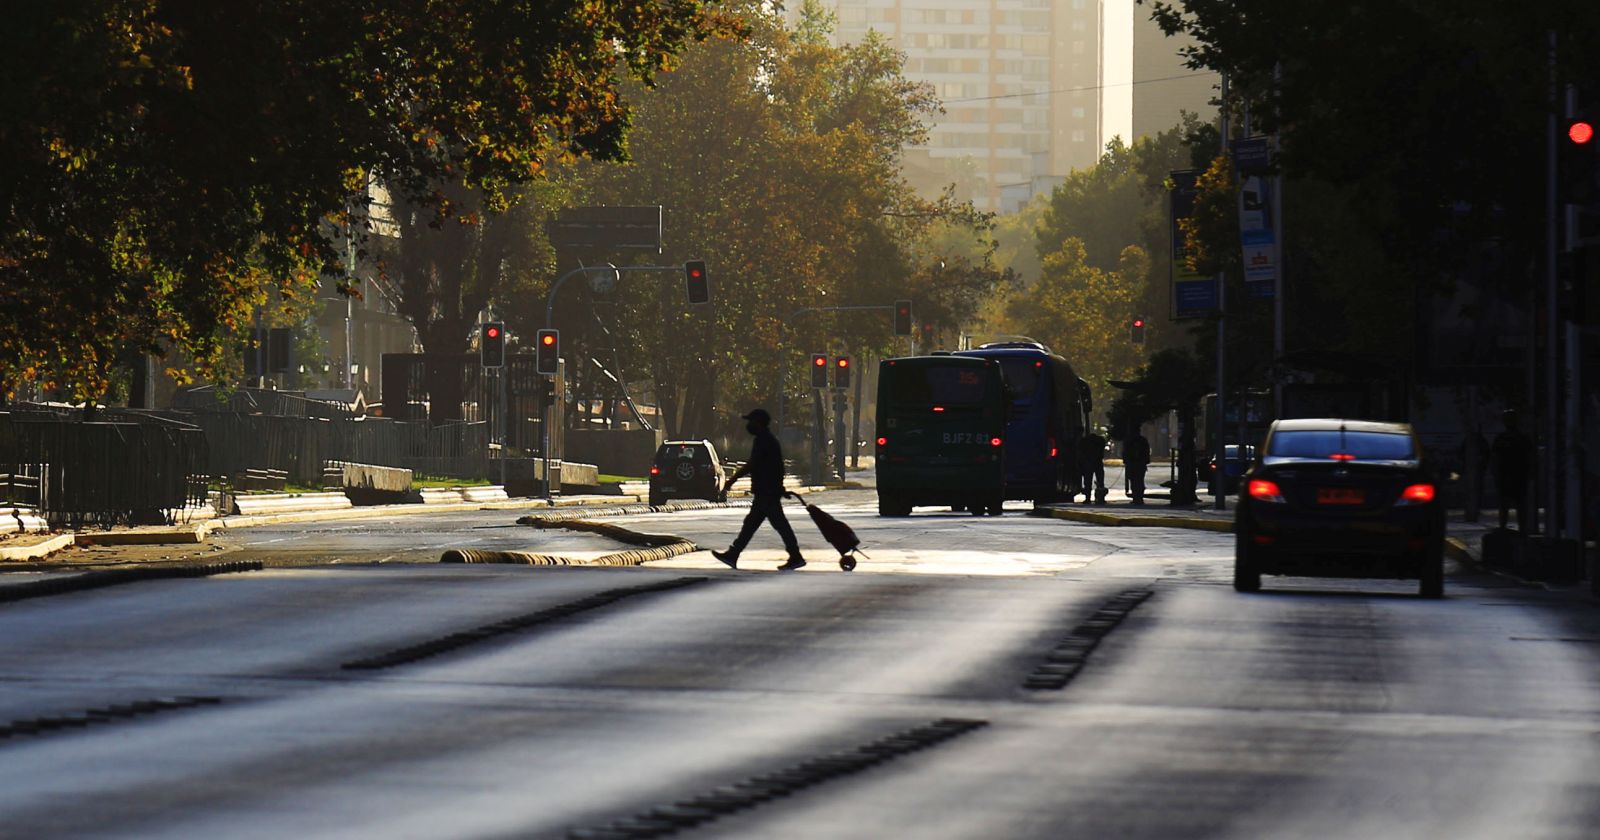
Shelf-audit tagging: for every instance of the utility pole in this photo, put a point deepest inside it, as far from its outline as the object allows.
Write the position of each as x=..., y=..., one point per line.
x=1220, y=497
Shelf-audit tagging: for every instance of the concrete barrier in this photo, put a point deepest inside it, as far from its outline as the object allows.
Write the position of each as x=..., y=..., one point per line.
x=455, y=495
x=267, y=503
x=21, y=520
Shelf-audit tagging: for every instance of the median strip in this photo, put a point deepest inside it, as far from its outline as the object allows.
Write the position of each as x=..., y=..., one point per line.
x=718, y=802
x=1072, y=653
x=515, y=624
x=1192, y=523
x=652, y=546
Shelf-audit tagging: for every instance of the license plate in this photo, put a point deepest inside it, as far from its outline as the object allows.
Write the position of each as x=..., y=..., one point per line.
x=1341, y=496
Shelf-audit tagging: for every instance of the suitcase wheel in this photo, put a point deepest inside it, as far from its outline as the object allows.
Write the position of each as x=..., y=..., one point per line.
x=847, y=563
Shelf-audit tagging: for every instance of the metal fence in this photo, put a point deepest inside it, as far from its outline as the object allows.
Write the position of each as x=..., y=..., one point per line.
x=301, y=446
x=116, y=470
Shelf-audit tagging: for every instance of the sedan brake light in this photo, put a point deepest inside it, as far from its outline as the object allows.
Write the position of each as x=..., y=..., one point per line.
x=1416, y=494
x=1263, y=490
x=1342, y=456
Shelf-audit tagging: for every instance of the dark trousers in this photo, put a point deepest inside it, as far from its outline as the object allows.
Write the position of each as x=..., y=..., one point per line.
x=1093, y=473
x=1136, y=481
x=768, y=509
x=1513, y=494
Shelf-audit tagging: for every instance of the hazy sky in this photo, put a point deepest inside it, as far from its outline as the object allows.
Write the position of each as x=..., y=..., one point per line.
x=1117, y=96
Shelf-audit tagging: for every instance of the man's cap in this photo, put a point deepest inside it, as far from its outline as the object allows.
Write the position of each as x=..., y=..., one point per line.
x=759, y=415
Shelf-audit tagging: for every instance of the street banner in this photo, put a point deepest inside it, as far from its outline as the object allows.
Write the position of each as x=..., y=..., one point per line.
x=1252, y=158
x=1194, y=295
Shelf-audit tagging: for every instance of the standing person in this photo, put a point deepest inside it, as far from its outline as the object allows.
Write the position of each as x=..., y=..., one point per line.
x=765, y=469
x=1511, y=455
x=1135, y=460
x=1091, y=464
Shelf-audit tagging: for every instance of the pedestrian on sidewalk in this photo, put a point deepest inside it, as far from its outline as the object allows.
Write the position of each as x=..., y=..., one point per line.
x=1135, y=460
x=1091, y=463
x=1511, y=455
x=765, y=468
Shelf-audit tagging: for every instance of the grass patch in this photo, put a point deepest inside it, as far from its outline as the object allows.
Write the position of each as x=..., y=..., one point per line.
x=430, y=483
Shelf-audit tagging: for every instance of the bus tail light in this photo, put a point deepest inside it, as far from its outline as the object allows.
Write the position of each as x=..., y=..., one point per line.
x=1053, y=450
x=995, y=441
x=883, y=441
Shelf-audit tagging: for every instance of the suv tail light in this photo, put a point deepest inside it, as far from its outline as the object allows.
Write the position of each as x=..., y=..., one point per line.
x=1416, y=494
x=655, y=470
x=1263, y=490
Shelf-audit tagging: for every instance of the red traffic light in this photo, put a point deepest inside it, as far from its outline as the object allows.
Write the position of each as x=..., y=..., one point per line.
x=492, y=332
x=819, y=361
x=843, y=362
x=1138, y=322
x=548, y=339
x=1580, y=132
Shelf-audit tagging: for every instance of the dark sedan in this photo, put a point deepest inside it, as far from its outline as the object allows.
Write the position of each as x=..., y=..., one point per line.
x=1340, y=498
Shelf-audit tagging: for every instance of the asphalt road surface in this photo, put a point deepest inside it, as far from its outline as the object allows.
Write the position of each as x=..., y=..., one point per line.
x=1011, y=677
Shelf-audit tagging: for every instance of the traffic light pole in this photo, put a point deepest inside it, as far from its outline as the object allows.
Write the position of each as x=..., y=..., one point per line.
x=549, y=323
x=783, y=344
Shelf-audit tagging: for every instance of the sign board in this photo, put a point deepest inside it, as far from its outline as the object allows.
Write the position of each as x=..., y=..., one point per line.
x=1258, y=238
x=1194, y=295
x=604, y=228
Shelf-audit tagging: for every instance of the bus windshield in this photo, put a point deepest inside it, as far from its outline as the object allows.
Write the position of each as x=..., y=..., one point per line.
x=939, y=385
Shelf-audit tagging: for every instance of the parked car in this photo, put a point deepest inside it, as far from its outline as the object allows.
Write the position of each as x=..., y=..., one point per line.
x=1237, y=463
x=1340, y=498
x=686, y=469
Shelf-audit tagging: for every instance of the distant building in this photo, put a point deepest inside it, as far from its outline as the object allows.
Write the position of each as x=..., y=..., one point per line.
x=1162, y=86
x=1020, y=81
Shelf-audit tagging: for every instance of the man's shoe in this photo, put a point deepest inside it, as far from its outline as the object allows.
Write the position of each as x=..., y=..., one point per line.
x=732, y=560
x=794, y=563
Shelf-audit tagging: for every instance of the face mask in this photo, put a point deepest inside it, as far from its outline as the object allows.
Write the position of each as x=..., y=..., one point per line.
x=752, y=428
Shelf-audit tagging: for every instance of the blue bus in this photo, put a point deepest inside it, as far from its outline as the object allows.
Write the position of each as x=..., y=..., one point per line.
x=1050, y=408
x=941, y=434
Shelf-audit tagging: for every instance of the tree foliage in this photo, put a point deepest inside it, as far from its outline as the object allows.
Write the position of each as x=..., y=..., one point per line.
x=777, y=160
x=169, y=163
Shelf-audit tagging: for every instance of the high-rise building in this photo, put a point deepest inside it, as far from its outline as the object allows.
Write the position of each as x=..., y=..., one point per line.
x=1162, y=86
x=1020, y=81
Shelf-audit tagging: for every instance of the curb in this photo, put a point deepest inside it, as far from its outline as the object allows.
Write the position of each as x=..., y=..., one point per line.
x=39, y=549
x=1192, y=523
x=655, y=547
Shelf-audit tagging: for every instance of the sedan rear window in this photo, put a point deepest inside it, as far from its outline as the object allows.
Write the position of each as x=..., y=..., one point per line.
x=1361, y=446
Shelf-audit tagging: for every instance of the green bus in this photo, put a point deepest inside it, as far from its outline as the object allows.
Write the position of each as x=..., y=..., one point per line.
x=941, y=434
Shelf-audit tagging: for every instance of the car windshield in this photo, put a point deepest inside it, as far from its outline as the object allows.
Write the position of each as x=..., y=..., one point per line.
x=1328, y=443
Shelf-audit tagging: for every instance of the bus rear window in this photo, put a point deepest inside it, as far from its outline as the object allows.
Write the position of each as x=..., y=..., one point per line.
x=947, y=386
x=1361, y=446
x=1022, y=376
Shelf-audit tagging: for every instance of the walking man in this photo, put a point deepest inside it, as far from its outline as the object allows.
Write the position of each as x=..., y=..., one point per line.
x=1135, y=460
x=1512, y=457
x=765, y=469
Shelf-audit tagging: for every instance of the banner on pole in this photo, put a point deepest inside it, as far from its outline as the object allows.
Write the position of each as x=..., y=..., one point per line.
x=1194, y=295
x=1252, y=158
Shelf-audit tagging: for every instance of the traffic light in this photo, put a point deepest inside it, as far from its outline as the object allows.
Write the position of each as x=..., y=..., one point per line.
x=695, y=281
x=819, y=370
x=841, y=372
x=1136, y=331
x=902, y=317
x=492, y=343
x=547, y=352
x=927, y=336
x=1579, y=165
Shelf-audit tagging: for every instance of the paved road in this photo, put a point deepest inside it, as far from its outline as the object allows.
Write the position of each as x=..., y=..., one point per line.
x=1317, y=709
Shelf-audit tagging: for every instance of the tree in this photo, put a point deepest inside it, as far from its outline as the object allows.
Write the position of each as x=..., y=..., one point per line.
x=778, y=160
x=170, y=163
